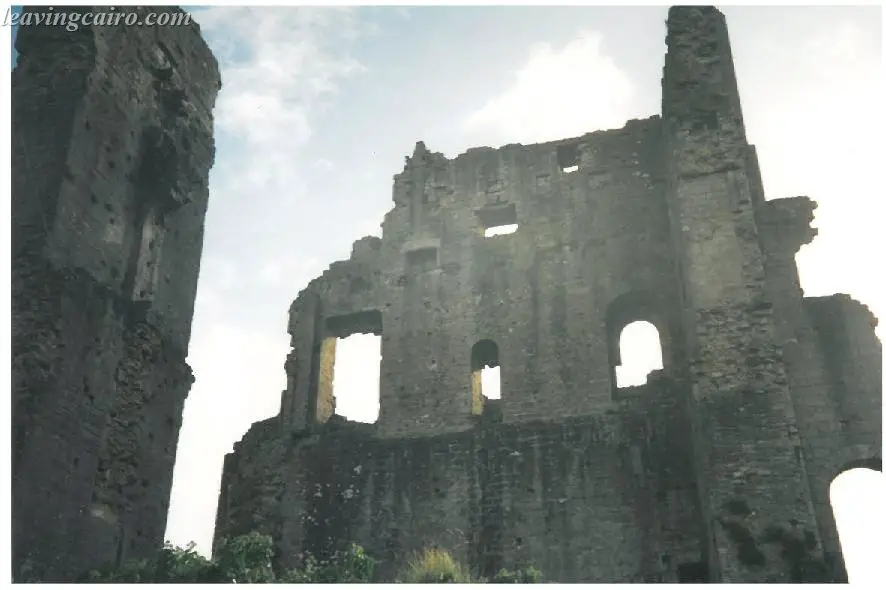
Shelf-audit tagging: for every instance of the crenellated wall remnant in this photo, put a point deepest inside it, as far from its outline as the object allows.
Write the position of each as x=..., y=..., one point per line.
x=717, y=469
x=112, y=144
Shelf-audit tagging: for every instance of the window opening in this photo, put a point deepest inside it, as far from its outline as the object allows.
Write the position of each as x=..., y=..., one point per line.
x=705, y=121
x=356, y=377
x=485, y=375
x=500, y=230
x=422, y=260
x=640, y=354
x=568, y=157
x=497, y=220
x=144, y=263
x=350, y=367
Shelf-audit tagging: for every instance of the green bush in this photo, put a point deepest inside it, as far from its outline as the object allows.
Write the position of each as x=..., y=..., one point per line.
x=435, y=566
x=248, y=559
x=351, y=566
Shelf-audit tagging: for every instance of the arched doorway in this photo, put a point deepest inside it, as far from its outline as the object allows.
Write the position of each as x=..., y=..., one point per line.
x=857, y=497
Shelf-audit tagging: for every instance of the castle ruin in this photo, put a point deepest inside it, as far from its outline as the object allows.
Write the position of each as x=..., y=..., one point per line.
x=717, y=469
x=111, y=148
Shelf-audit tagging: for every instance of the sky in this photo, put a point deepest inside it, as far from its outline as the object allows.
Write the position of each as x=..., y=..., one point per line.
x=319, y=106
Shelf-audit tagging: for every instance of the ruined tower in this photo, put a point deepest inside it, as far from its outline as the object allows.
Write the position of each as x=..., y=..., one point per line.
x=111, y=144
x=716, y=469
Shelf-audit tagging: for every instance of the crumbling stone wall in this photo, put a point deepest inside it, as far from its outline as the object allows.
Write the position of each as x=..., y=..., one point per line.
x=718, y=469
x=610, y=493
x=112, y=144
x=542, y=294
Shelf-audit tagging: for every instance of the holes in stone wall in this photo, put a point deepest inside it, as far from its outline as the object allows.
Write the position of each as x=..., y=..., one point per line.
x=355, y=377
x=144, y=263
x=485, y=375
x=705, y=120
x=498, y=220
x=422, y=259
x=500, y=230
x=639, y=354
x=568, y=157
x=857, y=501
x=350, y=367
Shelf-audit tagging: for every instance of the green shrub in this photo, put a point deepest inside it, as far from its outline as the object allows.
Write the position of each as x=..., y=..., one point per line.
x=435, y=566
x=248, y=559
x=351, y=566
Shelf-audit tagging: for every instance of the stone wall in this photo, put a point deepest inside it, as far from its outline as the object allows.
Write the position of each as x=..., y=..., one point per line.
x=717, y=470
x=600, y=498
x=112, y=144
x=589, y=244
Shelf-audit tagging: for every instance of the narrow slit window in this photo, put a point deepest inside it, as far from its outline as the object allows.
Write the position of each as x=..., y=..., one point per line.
x=143, y=270
x=485, y=375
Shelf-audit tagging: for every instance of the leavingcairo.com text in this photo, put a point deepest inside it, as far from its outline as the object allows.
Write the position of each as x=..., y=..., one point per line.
x=72, y=20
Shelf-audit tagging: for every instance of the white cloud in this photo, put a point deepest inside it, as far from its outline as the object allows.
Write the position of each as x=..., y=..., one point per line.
x=559, y=93
x=324, y=165
x=280, y=67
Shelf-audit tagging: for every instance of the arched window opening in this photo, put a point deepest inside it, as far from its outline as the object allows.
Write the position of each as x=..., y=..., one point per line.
x=857, y=501
x=485, y=375
x=639, y=354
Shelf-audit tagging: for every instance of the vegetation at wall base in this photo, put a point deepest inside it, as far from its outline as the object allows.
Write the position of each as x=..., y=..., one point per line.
x=248, y=559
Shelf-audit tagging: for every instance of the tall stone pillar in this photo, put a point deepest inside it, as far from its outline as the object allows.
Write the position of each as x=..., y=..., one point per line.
x=752, y=480
x=112, y=143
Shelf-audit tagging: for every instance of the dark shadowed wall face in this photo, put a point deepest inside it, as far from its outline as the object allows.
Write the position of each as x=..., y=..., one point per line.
x=597, y=499
x=112, y=145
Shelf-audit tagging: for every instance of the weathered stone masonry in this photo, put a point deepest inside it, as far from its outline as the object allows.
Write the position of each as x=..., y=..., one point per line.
x=717, y=469
x=112, y=144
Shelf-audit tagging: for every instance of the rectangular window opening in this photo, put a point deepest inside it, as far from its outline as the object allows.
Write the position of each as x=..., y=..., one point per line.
x=485, y=379
x=568, y=157
x=498, y=220
x=500, y=230
x=350, y=366
x=422, y=260
x=490, y=379
x=356, y=377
